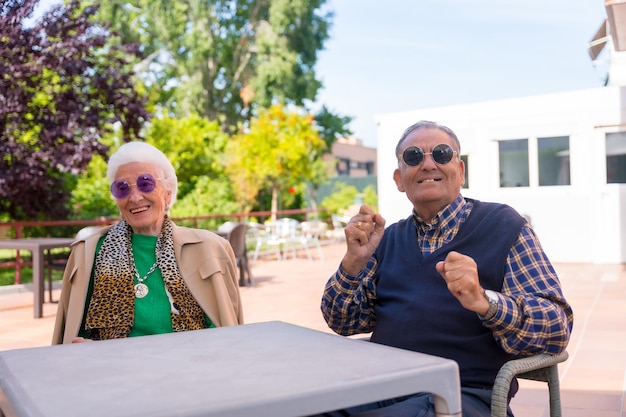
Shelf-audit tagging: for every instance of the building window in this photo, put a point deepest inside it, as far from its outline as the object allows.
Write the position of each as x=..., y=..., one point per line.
x=513, y=158
x=616, y=158
x=554, y=161
x=343, y=166
x=465, y=161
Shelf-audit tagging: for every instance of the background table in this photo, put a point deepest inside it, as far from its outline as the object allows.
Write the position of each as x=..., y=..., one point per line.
x=271, y=369
x=37, y=246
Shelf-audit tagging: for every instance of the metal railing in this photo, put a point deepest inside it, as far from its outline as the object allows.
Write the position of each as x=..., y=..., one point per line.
x=18, y=227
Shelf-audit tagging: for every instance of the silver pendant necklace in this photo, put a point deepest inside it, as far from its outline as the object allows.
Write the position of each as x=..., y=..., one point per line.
x=141, y=289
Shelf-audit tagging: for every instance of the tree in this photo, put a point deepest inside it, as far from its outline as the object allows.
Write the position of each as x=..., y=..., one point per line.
x=209, y=195
x=193, y=144
x=345, y=195
x=228, y=60
x=319, y=175
x=91, y=197
x=61, y=89
x=278, y=151
x=332, y=126
x=224, y=59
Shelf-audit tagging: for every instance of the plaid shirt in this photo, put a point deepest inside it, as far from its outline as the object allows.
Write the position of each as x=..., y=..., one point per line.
x=533, y=315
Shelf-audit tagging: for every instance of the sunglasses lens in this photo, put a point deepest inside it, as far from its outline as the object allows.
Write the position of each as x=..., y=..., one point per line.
x=413, y=156
x=442, y=154
x=120, y=189
x=146, y=183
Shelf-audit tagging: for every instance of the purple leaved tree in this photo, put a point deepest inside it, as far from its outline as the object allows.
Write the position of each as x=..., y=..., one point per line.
x=62, y=86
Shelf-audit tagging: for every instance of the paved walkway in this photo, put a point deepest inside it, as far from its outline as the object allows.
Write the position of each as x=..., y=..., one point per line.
x=593, y=380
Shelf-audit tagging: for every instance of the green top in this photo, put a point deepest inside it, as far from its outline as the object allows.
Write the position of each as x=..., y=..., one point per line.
x=152, y=312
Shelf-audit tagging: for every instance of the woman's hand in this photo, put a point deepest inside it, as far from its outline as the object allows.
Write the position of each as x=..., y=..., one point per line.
x=81, y=340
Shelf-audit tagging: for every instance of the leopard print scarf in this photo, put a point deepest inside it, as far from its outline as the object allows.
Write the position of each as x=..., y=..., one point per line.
x=111, y=310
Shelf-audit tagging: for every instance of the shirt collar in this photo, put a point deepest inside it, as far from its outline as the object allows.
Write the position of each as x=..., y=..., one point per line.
x=447, y=218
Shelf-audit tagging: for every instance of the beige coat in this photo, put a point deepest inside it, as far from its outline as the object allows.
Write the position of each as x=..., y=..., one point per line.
x=207, y=264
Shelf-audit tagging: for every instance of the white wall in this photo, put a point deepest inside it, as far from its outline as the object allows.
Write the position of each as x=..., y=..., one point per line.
x=583, y=222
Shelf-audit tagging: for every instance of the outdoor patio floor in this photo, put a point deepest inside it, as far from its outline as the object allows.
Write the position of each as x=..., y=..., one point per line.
x=593, y=380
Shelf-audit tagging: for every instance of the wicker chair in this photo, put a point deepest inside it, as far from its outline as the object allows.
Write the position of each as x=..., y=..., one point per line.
x=542, y=367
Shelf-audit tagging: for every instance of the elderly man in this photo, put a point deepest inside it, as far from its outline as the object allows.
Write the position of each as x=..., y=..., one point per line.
x=459, y=278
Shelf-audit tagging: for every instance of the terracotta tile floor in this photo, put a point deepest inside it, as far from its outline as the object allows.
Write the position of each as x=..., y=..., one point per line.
x=593, y=380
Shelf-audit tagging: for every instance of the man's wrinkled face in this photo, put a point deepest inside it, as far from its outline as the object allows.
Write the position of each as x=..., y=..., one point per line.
x=430, y=186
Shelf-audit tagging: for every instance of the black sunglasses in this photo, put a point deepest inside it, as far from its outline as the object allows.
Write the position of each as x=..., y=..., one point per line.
x=146, y=183
x=442, y=154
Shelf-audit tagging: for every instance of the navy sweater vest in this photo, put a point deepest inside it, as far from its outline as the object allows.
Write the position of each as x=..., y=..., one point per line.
x=414, y=309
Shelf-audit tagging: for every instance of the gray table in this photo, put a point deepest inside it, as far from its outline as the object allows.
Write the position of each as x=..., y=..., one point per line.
x=271, y=369
x=37, y=246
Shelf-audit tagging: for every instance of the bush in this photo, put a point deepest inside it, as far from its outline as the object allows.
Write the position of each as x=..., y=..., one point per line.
x=344, y=196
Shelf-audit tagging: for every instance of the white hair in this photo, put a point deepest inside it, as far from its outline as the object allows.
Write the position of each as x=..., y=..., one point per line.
x=146, y=153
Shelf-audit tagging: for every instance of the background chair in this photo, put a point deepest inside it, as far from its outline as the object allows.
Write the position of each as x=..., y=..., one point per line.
x=312, y=232
x=542, y=367
x=283, y=235
x=290, y=233
x=266, y=235
x=235, y=233
x=339, y=224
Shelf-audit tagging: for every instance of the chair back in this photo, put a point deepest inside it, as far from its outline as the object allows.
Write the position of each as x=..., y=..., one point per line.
x=236, y=235
x=87, y=231
x=313, y=229
x=226, y=227
x=339, y=222
x=287, y=227
x=541, y=367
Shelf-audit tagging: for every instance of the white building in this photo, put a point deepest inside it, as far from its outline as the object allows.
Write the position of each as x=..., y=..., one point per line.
x=559, y=159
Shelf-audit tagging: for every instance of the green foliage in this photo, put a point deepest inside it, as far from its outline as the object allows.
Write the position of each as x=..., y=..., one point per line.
x=344, y=196
x=193, y=144
x=61, y=90
x=370, y=197
x=293, y=198
x=208, y=196
x=277, y=152
x=332, y=126
x=197, y=58
x=7, y=275
x=200, y=56
x=91, y=197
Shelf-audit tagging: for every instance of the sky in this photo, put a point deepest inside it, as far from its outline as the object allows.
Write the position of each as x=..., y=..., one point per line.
x=386, y=56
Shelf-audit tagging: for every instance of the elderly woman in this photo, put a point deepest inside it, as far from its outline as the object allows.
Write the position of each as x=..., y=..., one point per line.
x=145, y=275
